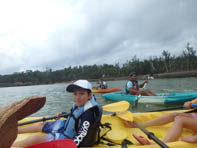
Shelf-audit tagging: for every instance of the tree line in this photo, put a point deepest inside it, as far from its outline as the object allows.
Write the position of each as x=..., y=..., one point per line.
x=167, y=62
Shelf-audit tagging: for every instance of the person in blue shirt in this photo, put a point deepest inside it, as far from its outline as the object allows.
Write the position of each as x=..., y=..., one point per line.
x=132, y=86
x=82, y=124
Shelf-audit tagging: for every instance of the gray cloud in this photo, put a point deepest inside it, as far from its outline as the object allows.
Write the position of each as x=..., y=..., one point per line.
x=99, y=31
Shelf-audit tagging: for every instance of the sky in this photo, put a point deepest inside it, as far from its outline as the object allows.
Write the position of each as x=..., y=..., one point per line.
x=42, y=34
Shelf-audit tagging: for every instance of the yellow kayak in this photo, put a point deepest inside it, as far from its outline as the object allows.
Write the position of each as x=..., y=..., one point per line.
x=120, y=131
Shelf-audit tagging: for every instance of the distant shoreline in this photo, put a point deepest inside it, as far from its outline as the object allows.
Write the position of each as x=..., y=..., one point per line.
x=182, y=74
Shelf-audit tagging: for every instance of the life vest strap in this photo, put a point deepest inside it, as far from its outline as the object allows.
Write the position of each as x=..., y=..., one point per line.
x=124, y=143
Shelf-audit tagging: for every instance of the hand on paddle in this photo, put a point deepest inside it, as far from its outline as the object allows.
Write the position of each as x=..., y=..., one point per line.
x=188, y=104
x=146, y=81
x=143, y=85
x=58, y=115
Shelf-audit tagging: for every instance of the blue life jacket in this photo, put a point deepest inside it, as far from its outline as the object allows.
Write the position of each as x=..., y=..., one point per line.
x=135, y=86
x=71, y=129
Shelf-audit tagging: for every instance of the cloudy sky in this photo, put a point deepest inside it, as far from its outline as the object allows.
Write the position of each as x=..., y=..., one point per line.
x=40, y=34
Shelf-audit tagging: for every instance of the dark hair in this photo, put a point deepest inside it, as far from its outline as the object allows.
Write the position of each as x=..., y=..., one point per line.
x=132, y=73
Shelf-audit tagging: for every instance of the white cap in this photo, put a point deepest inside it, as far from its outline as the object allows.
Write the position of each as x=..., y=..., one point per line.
x=79, y=84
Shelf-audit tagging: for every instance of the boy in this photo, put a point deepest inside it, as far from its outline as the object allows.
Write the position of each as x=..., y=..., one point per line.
x=82, y=124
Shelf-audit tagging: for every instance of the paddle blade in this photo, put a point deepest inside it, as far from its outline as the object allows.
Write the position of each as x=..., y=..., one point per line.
x=117, y=107
x=126, y=115
x=117, y=135
x=63, y=143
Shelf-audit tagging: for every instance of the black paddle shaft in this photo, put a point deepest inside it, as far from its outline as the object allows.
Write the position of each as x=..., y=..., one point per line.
x=151, y=135
x=175, y=108
x=167, y=109
x=41, y=120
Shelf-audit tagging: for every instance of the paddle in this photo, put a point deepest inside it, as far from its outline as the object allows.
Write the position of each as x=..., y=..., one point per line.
x=117, y=107
x=151, y=135
x=194, y=105
x=167, y=109
x=121, y=106
x=127, y=115
x=139, y=96
x=41, y=120
x=11, y=113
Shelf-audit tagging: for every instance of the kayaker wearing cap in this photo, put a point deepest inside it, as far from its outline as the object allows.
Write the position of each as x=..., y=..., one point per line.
x=82, y=124
x=132, y=86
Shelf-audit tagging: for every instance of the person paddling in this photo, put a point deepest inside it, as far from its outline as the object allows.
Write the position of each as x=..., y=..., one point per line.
x=82, y=124
x=132, y=86
x=102, y=84
x=180, y=121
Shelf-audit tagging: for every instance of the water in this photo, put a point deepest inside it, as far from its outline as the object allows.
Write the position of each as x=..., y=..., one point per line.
x=59, y=100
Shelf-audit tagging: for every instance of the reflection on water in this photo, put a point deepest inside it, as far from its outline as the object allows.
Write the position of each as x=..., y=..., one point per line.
x=59, y=100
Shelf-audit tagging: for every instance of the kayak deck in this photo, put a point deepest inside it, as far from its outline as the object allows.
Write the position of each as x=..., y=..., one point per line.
x=162, y=98
x=120, y=131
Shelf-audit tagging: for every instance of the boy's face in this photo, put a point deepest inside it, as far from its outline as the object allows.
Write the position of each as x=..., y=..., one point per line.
x=80, y=97
x=133, y=77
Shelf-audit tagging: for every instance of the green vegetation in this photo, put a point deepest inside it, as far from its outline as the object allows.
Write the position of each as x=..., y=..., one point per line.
x=165, y=63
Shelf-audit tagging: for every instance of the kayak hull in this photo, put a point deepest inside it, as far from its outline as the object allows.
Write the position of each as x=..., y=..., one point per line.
x=162, y=98
x=108, y=90
x=120, y=131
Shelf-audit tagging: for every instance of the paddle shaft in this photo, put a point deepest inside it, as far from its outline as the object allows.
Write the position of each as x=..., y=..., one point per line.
x=166, y=109
x=41, y=120
x=121, y=106
x=172, y=108
x=138, y=97
x=151, y=135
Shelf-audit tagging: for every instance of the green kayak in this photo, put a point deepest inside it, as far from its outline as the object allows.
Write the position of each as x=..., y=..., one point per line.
x=162, y=98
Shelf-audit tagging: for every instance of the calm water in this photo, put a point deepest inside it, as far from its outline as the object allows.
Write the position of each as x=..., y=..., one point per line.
x=59, y=100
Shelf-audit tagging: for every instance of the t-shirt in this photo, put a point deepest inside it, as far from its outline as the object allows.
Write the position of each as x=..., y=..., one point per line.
x=133, y=85
x=129, y=85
